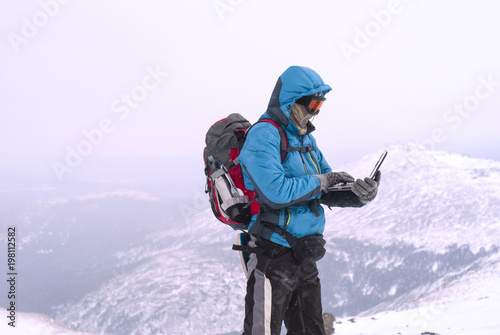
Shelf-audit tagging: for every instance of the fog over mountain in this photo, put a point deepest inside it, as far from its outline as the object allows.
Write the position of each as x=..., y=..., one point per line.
x=130, y=261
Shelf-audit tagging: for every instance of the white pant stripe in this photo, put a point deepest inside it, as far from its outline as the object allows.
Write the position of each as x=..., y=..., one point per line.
x=268, y=294
x=263, y=294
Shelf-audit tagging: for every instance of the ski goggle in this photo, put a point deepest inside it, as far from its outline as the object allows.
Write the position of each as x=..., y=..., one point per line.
x=312, y=103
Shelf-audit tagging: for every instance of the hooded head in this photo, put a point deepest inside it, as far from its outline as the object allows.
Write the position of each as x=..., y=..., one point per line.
x=296, y=82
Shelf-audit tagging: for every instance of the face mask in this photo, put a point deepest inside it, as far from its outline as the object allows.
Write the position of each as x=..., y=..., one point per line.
x=300, y=116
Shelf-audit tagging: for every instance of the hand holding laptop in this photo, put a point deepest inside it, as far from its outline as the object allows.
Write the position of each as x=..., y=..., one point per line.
x=330, y=179
x=347, y=186
x=365, y=190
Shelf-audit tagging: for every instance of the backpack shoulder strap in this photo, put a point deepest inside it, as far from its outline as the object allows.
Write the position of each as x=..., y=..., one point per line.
x=285, y=148
x=283, y=139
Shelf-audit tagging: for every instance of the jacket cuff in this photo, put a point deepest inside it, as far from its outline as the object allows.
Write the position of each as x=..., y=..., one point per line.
x=323, y=181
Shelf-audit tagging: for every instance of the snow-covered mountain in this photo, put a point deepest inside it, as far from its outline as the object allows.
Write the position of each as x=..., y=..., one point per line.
x=430, y=239
x=185, y=280
x=427, y=199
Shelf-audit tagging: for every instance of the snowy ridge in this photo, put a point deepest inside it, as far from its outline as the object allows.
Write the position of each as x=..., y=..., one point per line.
x=425, y=195
x=171, y=288
x=167, y=297
x=475, y=282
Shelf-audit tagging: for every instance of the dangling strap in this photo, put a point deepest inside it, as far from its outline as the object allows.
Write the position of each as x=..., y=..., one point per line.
x=250, y=202
x=246, y=248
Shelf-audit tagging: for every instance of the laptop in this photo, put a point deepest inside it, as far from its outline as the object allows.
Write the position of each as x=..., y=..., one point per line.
x=348, y=186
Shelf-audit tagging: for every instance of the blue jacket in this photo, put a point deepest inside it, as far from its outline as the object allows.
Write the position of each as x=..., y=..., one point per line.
x=280, y=185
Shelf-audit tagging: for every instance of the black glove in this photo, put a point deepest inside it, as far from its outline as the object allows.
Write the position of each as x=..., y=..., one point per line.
x=366, y=190
x=333, y=178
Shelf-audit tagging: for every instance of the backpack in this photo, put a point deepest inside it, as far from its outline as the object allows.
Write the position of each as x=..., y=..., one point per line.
x=231, y=202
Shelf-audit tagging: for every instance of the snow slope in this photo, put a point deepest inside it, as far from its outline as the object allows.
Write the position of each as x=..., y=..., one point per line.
x=463, y=302
x=461, y=318
x=429, y=242
x=34, y=324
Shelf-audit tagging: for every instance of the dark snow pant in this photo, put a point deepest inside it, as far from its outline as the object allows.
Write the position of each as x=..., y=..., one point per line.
x=279, y=289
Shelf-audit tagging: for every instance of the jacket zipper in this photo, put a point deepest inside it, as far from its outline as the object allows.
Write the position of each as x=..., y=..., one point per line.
x=312, y=159
x=314, y=162
x=286, y=218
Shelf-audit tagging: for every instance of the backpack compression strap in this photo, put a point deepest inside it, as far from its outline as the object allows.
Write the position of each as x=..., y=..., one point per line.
x=300, y=149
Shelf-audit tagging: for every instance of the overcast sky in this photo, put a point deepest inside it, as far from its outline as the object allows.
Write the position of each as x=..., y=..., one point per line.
x=145, y=79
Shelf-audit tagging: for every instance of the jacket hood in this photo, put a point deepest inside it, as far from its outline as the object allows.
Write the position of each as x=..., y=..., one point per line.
x=293, y=84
